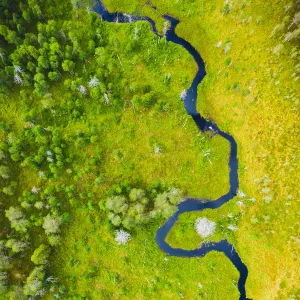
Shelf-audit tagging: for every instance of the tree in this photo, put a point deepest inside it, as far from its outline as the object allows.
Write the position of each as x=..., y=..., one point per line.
x=40, y=84
x=40, y=255
x=53, y=201
x=116, y=220
x=68, y=65
x=34, y=281
x=51, y=224
x=26, y=15
x=53, y=239
x=4, y=172
x=2, y=155
x=53, y=76
x=54, y=62
x=163, y=205
x=3, y=282
x=117, y=204
x=136, y=195
x=128, y=222
x=174, y=196
x=43, y=62
x=4, y=259
x=96, y=93
x=139, y=208
x=9, y=190
x=10, y=35
x=17, y=219
x=15, y=245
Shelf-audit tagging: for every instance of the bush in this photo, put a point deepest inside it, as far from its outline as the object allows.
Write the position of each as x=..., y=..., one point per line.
x=40, y=255
x=17, y=219
x=15, y=246
x=34, y=281
x=51, y=224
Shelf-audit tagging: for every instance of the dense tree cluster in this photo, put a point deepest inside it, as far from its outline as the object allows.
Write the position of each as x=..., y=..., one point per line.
x=61, y=49
x=130, y=207
x=37, y=210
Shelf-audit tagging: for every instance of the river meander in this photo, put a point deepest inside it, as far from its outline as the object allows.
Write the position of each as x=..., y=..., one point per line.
x=190, y=102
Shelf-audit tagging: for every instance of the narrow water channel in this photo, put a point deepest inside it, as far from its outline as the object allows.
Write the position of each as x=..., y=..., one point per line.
x=190, y=102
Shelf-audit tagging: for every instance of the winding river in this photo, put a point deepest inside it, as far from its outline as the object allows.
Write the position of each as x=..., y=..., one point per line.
x=192, y=204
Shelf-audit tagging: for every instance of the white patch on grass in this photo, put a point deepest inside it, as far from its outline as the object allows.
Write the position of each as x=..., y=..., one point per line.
x=241, y=194
x=157, y=149
x=122, y=237
x=35, y=190
x=232, y=227
x=219, y=44
x=183, y=95
x=82, y=90
x=205, y=227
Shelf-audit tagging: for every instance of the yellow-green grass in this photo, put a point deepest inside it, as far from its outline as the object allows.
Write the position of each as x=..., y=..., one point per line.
x=183, y=234
x=264, y=123
x=138, y=270
x=181, y=161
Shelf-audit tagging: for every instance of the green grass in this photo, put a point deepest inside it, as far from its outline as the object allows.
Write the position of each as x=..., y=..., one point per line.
x=264, y=121
x=134, y=135
x=183, y=234
x=249, y=92
x=126, y=139
x=138, y=270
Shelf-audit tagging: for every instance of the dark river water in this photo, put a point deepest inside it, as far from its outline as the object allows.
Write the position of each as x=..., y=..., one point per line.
x=190, y=102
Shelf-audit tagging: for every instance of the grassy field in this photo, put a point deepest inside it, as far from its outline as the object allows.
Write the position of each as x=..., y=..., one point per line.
x=128, y=154
x=138, y=270
x=251, y=92
x=124, y=148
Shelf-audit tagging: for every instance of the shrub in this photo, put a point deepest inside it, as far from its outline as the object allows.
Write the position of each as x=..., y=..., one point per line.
x=34, y=281
x=40, y=255
x=17, y=219
x=15, y=245
x=51, y=224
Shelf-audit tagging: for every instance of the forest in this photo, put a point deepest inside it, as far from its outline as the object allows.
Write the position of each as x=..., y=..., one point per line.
x=97, y=151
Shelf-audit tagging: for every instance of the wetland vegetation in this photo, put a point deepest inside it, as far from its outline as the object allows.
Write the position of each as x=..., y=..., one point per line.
x=95, y=141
